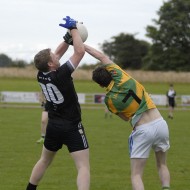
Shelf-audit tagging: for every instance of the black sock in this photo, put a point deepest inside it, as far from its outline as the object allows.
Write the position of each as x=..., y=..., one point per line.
x=165, y=188
x=31, y=187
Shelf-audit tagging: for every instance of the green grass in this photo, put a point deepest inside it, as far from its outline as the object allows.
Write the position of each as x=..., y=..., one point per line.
x=31, y=85
x=13, y=84
x=108, y=139
x=110, y=169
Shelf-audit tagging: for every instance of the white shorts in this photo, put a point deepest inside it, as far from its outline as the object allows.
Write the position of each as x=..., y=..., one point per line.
x=153, y=135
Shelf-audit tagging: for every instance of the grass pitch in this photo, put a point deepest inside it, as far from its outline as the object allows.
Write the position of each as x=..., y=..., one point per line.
x=110, y=169
x=108, y=140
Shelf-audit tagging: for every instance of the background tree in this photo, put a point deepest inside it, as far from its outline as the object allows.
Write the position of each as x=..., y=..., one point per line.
x=126, y=51
x=5, y=61
x=19, y=63
x=171, y=38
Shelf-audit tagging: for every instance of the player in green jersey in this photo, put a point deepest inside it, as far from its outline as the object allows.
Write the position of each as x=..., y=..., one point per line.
x=128, y=99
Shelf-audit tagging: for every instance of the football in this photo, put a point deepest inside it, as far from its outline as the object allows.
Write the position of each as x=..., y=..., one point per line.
x=82, y=31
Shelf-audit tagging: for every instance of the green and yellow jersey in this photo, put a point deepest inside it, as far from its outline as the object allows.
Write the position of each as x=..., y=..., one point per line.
x=125, y=95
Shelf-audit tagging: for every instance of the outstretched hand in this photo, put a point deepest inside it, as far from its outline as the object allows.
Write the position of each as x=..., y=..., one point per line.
x=69, y=24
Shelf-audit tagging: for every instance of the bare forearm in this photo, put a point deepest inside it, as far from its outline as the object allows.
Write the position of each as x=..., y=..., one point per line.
x=78, y=46
x=77, y=42
x=61, y=49
x=97, y=54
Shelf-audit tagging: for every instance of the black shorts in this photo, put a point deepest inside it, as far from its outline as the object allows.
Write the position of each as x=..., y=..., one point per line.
x=171, y=102
x=65, y=132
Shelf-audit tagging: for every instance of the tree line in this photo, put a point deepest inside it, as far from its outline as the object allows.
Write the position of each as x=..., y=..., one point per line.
x=6, y=61
x=169, y=50
x=170, y=47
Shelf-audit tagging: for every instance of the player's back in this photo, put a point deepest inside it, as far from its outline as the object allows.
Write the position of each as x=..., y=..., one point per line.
x=58, y=88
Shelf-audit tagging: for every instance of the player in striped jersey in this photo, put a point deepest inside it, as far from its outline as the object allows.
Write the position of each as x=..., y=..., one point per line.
x=64, y=123
x=128, y=99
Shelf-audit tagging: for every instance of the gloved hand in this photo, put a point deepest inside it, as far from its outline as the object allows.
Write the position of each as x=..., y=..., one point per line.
x=68, y=38
x=70, y=23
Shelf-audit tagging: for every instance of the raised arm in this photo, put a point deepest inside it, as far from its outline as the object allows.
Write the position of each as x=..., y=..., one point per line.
x=78, y=46
x=77, y=42
x=61, y=49
x=97, y=54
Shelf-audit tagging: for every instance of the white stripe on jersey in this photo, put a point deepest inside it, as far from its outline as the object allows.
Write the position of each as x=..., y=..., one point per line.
x=71, y=64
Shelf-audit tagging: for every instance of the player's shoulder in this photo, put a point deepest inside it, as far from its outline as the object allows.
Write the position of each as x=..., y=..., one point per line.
x=67, y=67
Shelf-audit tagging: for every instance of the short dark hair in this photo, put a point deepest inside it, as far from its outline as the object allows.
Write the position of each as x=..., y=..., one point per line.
x=101, y=76
x=41, y=60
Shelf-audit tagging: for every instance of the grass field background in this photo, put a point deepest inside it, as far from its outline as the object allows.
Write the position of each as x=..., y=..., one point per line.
x=87, y=86
x=110, y=168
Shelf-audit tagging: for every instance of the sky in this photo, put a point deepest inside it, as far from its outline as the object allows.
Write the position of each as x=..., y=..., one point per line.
x=28, y=26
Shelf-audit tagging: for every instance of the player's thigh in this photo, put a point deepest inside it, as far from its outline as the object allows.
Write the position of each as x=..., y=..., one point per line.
x=47, y=155
x=161, y=139
x=76, y=139
x=140, y=142
x=81, y=158
x=137, y=165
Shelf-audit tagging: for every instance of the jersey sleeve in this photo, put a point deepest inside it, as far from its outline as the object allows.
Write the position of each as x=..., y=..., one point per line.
x=65, y=70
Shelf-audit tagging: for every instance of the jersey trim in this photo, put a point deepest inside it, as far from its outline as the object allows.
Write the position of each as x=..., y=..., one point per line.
x=69, y=61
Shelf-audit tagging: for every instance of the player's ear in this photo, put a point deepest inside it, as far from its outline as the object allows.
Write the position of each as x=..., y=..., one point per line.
x=50, y=63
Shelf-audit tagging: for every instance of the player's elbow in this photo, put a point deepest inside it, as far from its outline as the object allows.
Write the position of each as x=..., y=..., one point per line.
x=79, y=54
x=80, y=51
